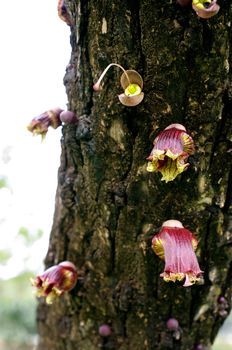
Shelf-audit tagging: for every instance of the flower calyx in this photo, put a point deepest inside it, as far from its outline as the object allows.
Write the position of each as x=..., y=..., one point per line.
x=176, y=246
x=205, y=8
x=55, y=281
x=170, y=153
x=40, y=124
x=68, y=117
x=132, y=84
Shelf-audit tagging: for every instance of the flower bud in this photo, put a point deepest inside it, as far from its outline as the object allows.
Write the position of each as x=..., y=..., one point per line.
x=68, y=117
x=172, y=324
x=104, y=330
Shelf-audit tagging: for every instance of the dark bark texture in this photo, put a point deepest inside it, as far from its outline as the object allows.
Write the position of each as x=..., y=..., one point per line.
x=107, y=204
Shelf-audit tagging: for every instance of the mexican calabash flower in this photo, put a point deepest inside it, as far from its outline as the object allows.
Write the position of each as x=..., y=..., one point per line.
x=55, y=281
x=176, y=245
x=40, y=124
x=132, y=84
x=205, y=8
x=170, y=153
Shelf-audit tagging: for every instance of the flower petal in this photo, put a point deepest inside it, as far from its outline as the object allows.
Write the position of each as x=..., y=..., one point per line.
x=131, y=101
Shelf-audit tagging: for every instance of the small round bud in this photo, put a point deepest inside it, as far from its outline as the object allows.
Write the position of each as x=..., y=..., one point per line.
x=222, y=300
x=199, y=347
x=104, y=330
x=172, y=324
x=68, y=117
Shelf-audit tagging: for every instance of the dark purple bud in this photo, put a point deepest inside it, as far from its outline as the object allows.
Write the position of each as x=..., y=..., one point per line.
x=222, y=300
x=104, y=330
x=172, y=324
x=68, y=117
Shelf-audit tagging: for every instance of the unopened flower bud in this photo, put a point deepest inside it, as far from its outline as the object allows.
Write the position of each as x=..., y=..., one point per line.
x=68, y=117
x=172, y=324
x=104, y=330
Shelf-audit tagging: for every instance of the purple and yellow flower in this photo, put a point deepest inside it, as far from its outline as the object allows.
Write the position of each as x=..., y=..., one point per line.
x=176, y=245
x=55, y=281
x=205, y=8
x=170, y=153
x=131, y=82
x=40, y=124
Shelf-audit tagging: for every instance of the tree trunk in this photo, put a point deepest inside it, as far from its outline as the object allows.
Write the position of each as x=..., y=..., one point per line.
x=107, y=204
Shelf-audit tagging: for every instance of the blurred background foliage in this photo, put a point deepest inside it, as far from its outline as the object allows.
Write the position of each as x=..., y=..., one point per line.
x=17, y=313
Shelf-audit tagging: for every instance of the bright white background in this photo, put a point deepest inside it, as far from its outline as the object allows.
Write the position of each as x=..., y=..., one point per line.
x=35, y=50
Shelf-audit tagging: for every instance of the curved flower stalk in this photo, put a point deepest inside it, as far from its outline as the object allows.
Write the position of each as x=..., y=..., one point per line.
x=170, y=153
x=205, y=8
x=63, y=13
x=40, y=124
x=55, y=281
x=176, y=245
x=131, y=82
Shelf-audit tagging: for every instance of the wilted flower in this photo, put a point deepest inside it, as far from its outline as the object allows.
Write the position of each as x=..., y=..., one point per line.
x=63, y=13
x=170, y=153
x=205, y=8
x=55, y=281
x=132, y=84
x=176, y=246
x=40, y=124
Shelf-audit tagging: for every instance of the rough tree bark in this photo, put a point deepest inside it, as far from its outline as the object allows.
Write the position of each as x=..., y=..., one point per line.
x=107, y=204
